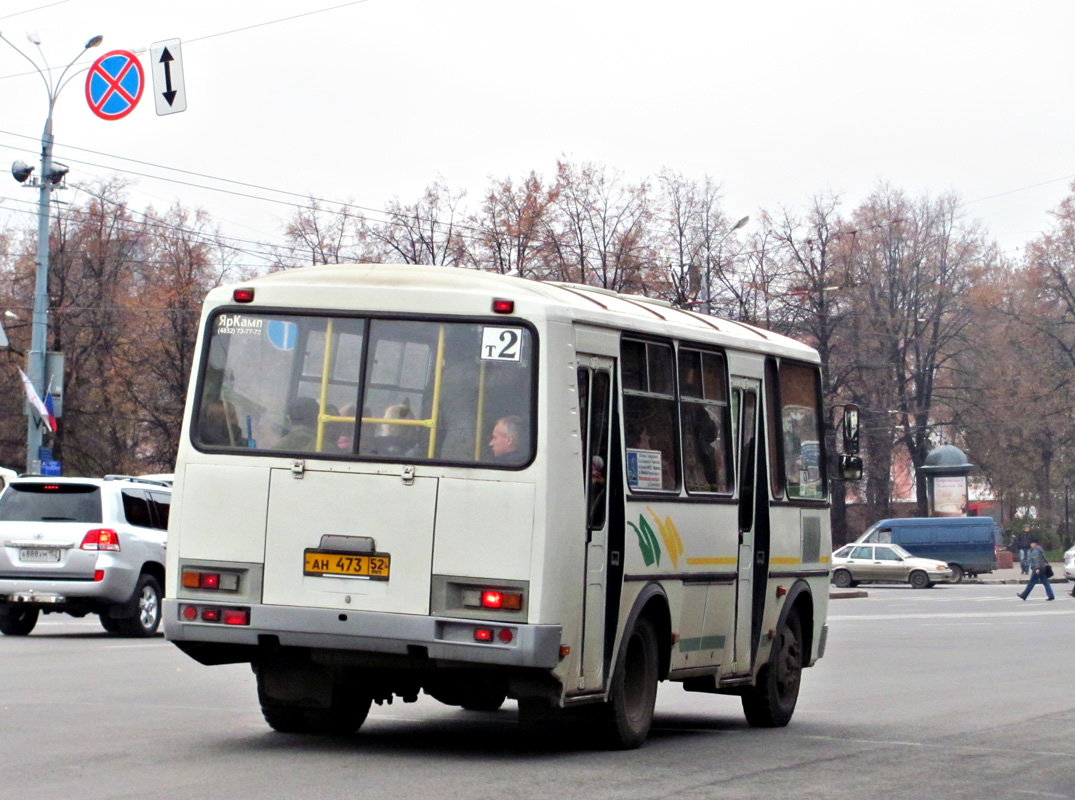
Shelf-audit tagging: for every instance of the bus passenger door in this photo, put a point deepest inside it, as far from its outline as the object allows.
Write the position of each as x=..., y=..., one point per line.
x=745, y=394
x=595, y=413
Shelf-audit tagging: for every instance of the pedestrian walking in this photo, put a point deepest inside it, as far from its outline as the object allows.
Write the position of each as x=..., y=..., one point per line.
x=1022, y=540
x=1039, y=568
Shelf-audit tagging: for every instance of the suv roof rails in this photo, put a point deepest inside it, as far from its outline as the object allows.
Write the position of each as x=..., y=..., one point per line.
x=137, y=479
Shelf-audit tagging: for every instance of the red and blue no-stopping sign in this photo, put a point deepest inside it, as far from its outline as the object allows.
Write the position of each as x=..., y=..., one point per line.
x=114, y=84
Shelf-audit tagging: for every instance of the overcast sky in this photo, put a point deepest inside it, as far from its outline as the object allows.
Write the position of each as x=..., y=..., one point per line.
x=367, y=101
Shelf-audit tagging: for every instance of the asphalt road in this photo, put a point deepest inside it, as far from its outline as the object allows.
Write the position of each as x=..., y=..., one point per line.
x=953, y=692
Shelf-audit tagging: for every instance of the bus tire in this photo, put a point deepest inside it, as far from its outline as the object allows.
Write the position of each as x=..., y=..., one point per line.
x=628, y=714
x=957, y=573
x=842, y=579
x=770, y=702
x=16, y=621
x=488, y=700
x=285, y=719
x=348, y=711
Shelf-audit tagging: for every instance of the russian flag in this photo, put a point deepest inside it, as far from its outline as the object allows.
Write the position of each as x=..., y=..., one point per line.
x=44, y=411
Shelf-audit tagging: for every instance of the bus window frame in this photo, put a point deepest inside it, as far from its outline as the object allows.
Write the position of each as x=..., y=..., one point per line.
x=367, y=318
x=726, y=433
x=776, y=413
x=624, y=392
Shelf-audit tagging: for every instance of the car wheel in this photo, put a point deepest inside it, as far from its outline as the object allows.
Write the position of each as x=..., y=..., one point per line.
x=626, y=718
x=147, y=603
x=842, y=578
x=918, y=579
x=957, y=573
x=16, y=621
x=110, y=624
x=770, y=702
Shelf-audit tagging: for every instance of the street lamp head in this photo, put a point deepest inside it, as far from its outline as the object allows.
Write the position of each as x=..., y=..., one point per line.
x=20, y=171
x=33, y=38
x=96, y=40
x=741, y=223
x=57, y=173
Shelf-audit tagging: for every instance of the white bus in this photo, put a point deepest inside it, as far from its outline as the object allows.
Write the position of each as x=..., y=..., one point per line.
x=395, y=479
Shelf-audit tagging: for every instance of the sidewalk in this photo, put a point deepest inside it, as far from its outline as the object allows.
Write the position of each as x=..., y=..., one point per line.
x=1013, y=575
x=997, y=576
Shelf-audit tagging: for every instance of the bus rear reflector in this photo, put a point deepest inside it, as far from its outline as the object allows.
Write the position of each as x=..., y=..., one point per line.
x=243, y=295
x=501, y=306
x=483, y=634
x=510, y=601
x=210, y=581
x=215, y=614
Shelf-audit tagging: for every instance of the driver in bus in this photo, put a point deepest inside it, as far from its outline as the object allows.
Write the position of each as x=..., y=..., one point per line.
x=508, y=441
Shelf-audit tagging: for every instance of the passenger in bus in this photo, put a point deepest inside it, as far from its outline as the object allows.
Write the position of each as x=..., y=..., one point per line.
x=396, y=440
x=218, y=425
x=301, y=425
x=341, y=435
x=508, y=441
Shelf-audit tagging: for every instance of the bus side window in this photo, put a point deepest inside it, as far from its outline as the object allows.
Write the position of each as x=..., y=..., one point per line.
x=649, y=408
x=801, y=431
x=703, y=410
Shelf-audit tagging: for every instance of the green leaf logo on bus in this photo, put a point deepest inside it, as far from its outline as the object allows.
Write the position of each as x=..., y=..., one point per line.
x=647, y=539
x=647, y=542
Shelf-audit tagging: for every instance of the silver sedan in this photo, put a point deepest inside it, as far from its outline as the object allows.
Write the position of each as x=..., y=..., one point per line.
x=885, y=563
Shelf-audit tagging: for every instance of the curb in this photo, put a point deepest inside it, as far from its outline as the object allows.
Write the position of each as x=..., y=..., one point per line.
x=847, y=594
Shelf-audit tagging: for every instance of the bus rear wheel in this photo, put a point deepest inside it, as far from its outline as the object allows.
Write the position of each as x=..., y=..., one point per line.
x=770, y=703
x=957, y=573
x=345, y=716
x=628, y=714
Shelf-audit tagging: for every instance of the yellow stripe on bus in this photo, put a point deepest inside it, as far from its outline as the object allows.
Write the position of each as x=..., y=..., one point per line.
x=709, y=562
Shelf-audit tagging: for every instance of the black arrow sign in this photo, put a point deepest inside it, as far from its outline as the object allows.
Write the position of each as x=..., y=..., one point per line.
x=166, y=59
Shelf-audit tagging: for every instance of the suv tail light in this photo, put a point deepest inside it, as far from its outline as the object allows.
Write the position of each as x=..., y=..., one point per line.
x=101, y=539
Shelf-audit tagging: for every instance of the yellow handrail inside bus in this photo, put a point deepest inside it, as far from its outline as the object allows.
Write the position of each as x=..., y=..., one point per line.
x=480, y=412
x=438, y=370
x=431, y=423
x=322, y=417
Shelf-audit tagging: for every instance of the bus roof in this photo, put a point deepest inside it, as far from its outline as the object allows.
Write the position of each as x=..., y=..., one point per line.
x=436, y=290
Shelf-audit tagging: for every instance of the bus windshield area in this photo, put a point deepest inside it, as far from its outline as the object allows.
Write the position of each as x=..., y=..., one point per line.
x=418, y=390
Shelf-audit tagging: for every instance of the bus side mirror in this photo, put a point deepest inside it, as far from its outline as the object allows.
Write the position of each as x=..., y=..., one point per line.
x=851, y=429
x=851, y=468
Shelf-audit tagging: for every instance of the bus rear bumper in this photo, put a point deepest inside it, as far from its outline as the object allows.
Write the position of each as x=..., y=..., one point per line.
x=477, y=642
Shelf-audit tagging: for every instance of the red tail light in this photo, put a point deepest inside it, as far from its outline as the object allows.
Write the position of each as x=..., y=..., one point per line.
x=101, y=539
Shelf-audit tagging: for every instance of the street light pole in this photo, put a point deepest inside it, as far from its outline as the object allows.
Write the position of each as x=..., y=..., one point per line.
x=708, y=305
x=47, y=179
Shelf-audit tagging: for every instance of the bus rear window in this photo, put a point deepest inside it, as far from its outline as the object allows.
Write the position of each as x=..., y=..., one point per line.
x=411, y=390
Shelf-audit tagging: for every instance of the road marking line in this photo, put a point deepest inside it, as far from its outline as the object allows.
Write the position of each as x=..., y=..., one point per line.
x=951, y=615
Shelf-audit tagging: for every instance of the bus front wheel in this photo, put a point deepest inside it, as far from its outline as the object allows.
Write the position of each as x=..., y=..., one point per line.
x=770, y=703
x=628, y=713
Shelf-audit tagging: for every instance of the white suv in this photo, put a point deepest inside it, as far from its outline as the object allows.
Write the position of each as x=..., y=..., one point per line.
x=83, y=546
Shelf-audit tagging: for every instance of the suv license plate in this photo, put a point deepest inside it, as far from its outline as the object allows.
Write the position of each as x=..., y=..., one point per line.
x=372, y=566
x=38, y=554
